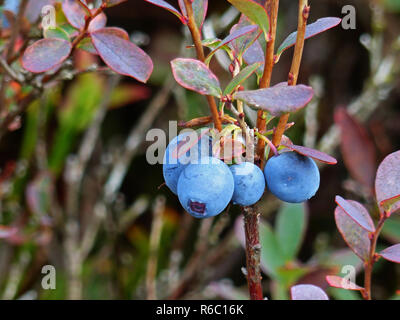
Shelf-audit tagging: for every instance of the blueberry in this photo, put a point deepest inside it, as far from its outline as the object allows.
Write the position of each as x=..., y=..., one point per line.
x=173, y=166
x=249, y=183
x=205, y=189
x=292, y=177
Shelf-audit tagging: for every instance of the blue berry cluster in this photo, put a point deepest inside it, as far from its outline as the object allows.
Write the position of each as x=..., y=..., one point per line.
x=205, y=185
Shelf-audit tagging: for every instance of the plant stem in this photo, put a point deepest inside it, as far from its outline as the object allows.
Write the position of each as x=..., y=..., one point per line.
x=253, y=251
x=196, y=36
x=369, y=264
x=273, y=6
x=89, y=19
x=304, y=10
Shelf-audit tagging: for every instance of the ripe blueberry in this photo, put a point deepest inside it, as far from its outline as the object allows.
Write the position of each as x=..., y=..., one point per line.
x=249, y=183
x=173, y=165
x=205, y=189
x=292, y=177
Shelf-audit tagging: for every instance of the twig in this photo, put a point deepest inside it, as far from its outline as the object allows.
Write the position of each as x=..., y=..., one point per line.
x=253, y=251
x=273, y=7
x=155, y=236
x=304, y=11
x=369, y=264
x=196, y=35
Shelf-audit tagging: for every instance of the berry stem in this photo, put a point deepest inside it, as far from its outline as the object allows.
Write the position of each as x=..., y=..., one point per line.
x=304, y=11
x=196, y=36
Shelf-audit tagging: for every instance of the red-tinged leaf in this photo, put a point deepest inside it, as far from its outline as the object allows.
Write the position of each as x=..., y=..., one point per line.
x=342, y=283
x=240, y=45
x=195, y=75
x=357, y=148
x=355, y=236
x=389, y=203
x=6, y=231
x=111, y=3
x=312, y=153
x=237, y=34
x=255, y=54
x=387, y=184
x=75, y=13
x=392, y=253
x=98, y=22
x=312, y=29
x=167, y=6
x=45, y=54
x=307, y=292
x=199, y=10
x=255, y=12
x=121, y=55
x=358, y=213
x=278, y=99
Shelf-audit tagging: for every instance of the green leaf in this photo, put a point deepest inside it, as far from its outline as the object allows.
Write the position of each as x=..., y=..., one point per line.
x=343, y=294
x=56, y=33
x=290, y=228
x=241, y=77
x=255, y=12
x=195, y=75
x=391, y=229
x=271, y=253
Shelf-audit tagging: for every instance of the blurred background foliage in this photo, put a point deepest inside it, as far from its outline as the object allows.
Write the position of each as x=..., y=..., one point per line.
x=77, y=192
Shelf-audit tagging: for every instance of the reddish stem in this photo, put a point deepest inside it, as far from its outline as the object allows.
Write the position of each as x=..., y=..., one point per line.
x=369, y=264
x=304, y=11
x=196, y=35
x=253, y=250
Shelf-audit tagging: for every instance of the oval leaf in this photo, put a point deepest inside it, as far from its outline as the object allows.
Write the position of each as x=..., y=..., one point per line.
x=237, y=34
x=357, y=149
x=240, y=45
x=167, y=6
x=255, y=12
x=45, y=54
x=195, y=75
x=392, y=253
x=75, y=13
x=355, y=236
x=307, y=292
x=342, y=283
x=98, y=22
x=312, y=153
x=278, y=99
x=312, y=29
x=358, y=213
x=121, y=55
x=387, y=184
x=241, y=77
